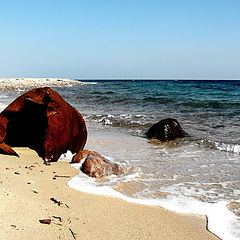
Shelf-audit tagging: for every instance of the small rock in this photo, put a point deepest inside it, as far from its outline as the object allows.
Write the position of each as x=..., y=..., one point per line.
x=17, y=173
x=30, y=182
x=45, y=221
x=34, y=191
x=97, y=166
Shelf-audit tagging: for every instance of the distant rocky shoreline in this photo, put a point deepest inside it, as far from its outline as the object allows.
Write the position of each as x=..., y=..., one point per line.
x=27, y=83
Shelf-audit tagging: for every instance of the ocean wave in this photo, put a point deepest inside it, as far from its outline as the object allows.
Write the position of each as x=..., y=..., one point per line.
x=121, y=120
x=209, y=104
x=227, y=147
x=221, y=220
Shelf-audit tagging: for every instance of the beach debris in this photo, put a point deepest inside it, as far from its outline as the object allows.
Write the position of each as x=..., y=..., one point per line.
x=57, y=218
x=59, y=176
x=17, y=173
x=14, y=226
x=34, y=191
x=43, y=121
x=30, y=182
x=59, y=203
x=97, y=166
x=166, y=130
x=45, y=221
x=73, y=233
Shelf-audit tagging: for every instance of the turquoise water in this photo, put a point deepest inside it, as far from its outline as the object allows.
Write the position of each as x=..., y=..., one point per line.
x=198, y=174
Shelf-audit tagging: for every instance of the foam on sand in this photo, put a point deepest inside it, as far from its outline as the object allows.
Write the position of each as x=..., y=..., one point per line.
x=220, y=220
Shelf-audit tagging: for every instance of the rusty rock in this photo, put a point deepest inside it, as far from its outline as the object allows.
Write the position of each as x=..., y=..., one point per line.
x=45, y=221
x=43, y=121
x=97, y=166
x=81, y=155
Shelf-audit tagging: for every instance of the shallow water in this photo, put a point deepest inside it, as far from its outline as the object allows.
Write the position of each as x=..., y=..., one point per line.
x=198, y=174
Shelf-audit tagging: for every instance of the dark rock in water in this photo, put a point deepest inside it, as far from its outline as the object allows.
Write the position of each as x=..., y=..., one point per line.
x=166, y=130
x=43, y=121
x=97, y=166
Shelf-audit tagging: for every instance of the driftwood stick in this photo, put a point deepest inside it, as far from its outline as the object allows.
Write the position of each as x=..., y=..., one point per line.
x=62, y=176
x=73, y=233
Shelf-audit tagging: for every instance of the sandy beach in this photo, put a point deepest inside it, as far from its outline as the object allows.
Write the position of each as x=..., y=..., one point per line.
x=32, y=191
x=27, y=83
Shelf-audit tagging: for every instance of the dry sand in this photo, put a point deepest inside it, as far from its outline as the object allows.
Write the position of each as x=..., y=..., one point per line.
x=26, y=83
x=27, y=187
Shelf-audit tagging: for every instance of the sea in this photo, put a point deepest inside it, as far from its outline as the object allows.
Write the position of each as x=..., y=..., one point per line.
x=198, y=174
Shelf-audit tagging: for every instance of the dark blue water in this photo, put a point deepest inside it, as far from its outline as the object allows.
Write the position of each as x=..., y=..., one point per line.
x=204, y=108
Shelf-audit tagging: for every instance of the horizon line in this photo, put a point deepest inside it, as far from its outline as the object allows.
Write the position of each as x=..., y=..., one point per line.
x=174, y=79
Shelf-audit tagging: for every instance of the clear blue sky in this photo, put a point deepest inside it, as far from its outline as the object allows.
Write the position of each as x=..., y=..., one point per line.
x=120, y=38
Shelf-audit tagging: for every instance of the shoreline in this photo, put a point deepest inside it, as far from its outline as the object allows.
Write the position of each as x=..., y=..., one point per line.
x=26, y=83
x=27, y=187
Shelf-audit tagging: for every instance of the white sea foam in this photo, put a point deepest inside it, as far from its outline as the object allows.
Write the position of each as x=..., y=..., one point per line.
x=66, y=157
x=90, y=83
x=221, y=221
x=2, y=106
x=235, y=148
x=228, y=147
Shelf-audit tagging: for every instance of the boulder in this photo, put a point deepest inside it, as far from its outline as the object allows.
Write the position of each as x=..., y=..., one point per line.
x=80, y=155
x=43, y=121
x=166, y=130
x=97, y=166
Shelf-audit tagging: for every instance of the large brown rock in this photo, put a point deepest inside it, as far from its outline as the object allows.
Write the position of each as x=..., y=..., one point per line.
x=166, y=130
x=43, y=121
x=97, y=166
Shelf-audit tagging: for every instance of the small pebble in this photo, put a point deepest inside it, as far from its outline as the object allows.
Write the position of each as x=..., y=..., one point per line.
x=34, y=191
x=30, y=182
x=45, y=221
x=18, y=173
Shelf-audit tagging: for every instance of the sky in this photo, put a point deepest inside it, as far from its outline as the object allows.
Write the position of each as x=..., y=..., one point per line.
x=120, y=39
